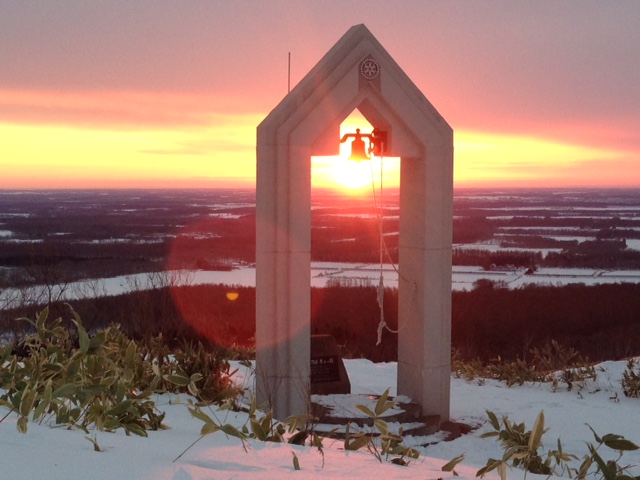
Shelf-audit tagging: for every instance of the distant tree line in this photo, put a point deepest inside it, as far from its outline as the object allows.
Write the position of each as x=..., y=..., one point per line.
x=86, y=247
x=599, y=254
x=614, y=232
x=210, y=243
x=502, y=258
x=602, y=254
x=602, y=322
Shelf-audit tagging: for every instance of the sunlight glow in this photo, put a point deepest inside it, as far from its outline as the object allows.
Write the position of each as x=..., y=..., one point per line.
x=220, y=152
x=43, y=156
x=483, y=159
x=350, y=176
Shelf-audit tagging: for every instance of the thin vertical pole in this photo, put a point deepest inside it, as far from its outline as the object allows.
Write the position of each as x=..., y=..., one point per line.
x=289, y=74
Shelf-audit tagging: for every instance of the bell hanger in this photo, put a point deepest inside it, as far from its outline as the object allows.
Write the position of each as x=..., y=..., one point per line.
x=359, y=152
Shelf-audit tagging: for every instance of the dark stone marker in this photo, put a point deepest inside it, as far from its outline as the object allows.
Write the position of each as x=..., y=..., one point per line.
x=328, y=375
x=325, y=369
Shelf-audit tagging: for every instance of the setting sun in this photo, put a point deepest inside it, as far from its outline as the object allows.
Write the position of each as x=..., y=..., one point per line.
x=353, y=176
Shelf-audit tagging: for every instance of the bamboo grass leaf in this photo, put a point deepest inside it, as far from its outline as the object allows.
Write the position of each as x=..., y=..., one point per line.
x=536, y=433
x=366, y=410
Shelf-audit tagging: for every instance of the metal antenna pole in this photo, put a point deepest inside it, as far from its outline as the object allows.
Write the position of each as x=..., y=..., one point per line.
x=289, y=74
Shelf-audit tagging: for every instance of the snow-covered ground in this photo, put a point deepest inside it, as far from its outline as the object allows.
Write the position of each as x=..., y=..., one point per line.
x=322, y=273
x=57, y=453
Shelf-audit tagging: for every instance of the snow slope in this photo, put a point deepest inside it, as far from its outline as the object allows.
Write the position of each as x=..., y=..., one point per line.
x=57, y=453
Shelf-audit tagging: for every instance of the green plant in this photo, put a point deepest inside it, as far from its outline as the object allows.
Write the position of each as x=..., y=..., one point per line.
x=550, y=363
x=468, y=370
x=521, y=450
x=385, y=443
x=553, y=356
x=295, y=430
x=296, y=462
x=94, y=442
x=520, y=447
x=572, y=368
x=515, y=372
x=102, y=381
x=209, y=369
x=265, y=429
x=299, y=429
x=451, y=465
x=577, y=375
x=631, y=379
x=97, y=383
x=611, y=469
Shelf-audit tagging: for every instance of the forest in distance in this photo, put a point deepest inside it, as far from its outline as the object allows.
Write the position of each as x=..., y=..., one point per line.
x=57, y=237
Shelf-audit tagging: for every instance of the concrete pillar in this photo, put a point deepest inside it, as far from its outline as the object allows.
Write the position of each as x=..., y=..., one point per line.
x=424, y=310
x=283, y=276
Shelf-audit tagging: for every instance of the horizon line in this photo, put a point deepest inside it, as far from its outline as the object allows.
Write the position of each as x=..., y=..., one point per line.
x=323, y=188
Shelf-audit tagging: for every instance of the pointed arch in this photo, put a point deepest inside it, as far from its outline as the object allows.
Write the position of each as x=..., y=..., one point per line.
x=305, y=123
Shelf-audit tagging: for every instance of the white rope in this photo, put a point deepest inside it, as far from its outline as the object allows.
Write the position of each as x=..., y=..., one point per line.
x=383, y=249
x=380, y=214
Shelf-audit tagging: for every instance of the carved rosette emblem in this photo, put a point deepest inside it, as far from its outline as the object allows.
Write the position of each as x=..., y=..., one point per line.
x=369, y=68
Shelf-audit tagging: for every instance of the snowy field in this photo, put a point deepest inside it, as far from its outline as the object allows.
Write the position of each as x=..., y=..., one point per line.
x=56, y=453
x=322, y=273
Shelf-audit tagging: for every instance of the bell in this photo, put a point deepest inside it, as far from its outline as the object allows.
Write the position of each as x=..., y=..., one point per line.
x=358, y=150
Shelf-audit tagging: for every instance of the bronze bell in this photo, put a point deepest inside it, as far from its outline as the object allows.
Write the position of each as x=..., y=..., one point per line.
x=358, y=148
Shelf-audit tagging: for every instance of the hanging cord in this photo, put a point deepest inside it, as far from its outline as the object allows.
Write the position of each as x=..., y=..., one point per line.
x=380, y=214
x=383, y=249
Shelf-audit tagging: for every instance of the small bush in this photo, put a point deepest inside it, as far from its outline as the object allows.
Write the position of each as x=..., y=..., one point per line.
x=94, y=384
x=631, y=379
x=103, y=381
x=515, y=372
x=554, y=356
x=551, y=363
x=521, y=449
x=210, y=367
x=385, y=444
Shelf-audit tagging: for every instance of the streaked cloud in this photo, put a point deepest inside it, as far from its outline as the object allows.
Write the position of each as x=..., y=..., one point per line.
x=159, y=87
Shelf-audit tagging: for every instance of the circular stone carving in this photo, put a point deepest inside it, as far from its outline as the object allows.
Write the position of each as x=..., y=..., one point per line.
x=369, y=68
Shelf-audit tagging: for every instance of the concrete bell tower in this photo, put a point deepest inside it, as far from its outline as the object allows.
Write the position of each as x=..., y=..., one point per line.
x=357, y=73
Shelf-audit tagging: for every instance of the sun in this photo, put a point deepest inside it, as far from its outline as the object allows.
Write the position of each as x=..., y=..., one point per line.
x=352, y=176
x=342, y=173
x=356, y=177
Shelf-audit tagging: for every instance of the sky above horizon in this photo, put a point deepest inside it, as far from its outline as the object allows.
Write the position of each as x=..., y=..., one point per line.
x=169, y=94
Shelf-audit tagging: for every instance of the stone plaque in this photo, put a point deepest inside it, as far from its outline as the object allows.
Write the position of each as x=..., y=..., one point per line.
x=325, y=369
x=328, y=375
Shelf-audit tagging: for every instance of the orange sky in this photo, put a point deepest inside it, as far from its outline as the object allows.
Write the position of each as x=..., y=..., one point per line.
x=152, y=94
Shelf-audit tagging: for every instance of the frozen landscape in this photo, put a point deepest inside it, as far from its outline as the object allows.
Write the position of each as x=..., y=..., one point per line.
x=109, y=243
x=322, y=274
x=46, y=451
x=170, y=256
